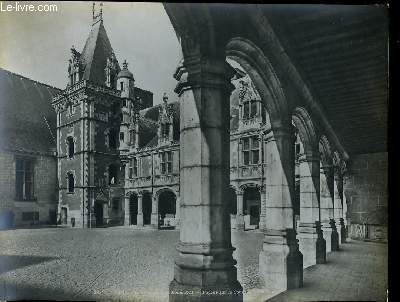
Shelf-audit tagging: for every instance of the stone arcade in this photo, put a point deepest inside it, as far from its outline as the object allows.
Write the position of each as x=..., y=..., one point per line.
x=275, y=128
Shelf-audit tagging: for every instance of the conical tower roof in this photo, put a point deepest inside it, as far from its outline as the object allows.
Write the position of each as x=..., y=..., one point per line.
x=95, y=53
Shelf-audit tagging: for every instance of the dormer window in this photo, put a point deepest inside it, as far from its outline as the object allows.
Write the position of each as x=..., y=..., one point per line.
x=111, y=71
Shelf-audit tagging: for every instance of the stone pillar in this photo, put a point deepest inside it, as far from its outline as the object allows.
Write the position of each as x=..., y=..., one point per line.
x=127, y=220
x=239, y=213
x=263, y=209
x=154, y=211
x=205, y=266
x=281, y=263
x=326, y=204
x=313, y=252
x=178, y=212
x=139, y=219
x=337, y=202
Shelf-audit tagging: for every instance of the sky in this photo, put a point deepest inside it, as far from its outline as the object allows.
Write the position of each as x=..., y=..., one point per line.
x=37, y=44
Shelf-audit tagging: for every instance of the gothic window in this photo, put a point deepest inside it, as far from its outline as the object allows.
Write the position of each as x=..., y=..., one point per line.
x=71, y=182
x=122, y=86
x=250, y=150
x=71, y=147
x=250, y=109
x=166, y=162
x=253, y=108
x=24, y=179
x=135, y=167
x=246, y=110
x=130, y=171
x=121, y=136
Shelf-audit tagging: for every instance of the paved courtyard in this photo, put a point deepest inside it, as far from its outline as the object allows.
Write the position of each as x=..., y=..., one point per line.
x=121, y=264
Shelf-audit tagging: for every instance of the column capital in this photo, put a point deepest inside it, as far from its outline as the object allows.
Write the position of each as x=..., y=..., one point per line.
x=280, y=131
x=308, y=157
x=203, y=71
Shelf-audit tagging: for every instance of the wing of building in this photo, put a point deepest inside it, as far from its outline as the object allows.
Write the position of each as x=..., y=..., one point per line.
x=27, y=151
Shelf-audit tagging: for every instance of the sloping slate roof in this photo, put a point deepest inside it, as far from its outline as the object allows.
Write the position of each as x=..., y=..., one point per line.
x=95, y=53
x=26, y=114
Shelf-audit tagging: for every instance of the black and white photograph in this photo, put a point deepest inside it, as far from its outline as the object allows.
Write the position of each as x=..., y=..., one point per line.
x=193, y=152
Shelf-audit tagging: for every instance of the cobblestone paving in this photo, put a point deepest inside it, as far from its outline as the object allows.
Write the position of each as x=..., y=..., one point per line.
x=114, y=264
x=122, y=264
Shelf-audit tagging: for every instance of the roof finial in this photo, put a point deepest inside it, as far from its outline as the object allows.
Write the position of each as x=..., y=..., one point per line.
x=97, y=17
x=165, y=97
x=125, y=65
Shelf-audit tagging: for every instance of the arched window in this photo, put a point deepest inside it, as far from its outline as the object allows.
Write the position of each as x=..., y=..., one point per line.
x=71, y=147
x=71, y=183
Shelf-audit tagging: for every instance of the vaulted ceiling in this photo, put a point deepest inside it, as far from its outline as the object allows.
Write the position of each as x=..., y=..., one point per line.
x=341, y=53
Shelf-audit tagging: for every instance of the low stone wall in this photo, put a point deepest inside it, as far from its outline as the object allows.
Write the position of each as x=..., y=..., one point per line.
x=368, y=232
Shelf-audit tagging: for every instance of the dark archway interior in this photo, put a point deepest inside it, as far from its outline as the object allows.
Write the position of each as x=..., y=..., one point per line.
x=252, y=205
x=133, y=209
x=146, y=208
x=98, y=212
x=166, y=204
x=232, y=204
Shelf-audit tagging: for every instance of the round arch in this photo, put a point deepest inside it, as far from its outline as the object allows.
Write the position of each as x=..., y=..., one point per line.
x=166, y=199
x=258, y=67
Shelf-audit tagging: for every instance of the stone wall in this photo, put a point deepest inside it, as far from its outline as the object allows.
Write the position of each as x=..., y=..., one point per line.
x=45, y=185
x=366, y=195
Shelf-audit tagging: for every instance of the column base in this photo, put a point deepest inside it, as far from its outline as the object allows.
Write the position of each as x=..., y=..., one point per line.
x=139, y=219
x=154, y=220
x=327, y=234
x=321, y=245
x=311, y=244
x=334, y=236
x=239, y=222
x=127, y=220
x=262, y=224
x=281, y=262
x=343, y=234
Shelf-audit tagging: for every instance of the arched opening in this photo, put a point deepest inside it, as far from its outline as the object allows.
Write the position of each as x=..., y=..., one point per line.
x=113, y=174
x=71, y=146
x=99, y=213
x=147, y=201
x=133, y=209
x=167, y=208
x=71, y=182
x=251, y=206
x=298, y=150
x=232, y=202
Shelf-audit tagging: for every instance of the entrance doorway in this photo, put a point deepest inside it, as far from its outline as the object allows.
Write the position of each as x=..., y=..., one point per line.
x=167, y=208
x=133, y=209
x=146, y=208
x=64, y=217
x=252, y=205
x=98, y=212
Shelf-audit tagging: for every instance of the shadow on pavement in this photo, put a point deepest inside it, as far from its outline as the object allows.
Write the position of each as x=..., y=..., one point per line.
x=12, y=262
